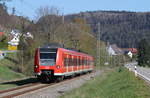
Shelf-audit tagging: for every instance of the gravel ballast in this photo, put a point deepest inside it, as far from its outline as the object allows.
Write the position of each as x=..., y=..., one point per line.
x=59, y=89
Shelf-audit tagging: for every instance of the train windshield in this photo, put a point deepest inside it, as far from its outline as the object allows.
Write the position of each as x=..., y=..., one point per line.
x=48, y=56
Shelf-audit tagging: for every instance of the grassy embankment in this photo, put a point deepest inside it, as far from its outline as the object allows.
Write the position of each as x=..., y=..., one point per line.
x=112, y=84
x=6, y=74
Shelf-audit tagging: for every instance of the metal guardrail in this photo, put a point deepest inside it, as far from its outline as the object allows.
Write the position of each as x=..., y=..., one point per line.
x=140, y=75
x=144, y=77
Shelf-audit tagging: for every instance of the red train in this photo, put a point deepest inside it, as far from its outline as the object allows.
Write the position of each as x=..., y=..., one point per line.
x=57, y=63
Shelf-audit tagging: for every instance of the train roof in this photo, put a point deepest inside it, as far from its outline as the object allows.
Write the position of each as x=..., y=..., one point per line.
x=64, y=50
x=75, y=52
x=52, y=45
x=70, y=50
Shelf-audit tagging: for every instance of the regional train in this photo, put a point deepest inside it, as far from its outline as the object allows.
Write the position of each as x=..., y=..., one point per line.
x=56, y=63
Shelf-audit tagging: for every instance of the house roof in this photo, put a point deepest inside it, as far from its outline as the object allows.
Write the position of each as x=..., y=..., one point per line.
x=116, y=49
x=1, y=33
x=133, y=50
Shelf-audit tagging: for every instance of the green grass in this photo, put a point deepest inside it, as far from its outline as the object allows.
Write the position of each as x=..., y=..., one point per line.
x=6, y=86
x=5, y=64
x=113, y=84
x=7, y=74
x=3, y=46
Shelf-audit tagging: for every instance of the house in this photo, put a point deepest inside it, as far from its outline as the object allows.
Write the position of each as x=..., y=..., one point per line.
x=130, y=51
x=28, y=35
x=14, y=41
x=133, y=50
x=2, y=29
x=130, y=54
x=14, y=37
x=15, y=33
x=1, y=34
x=111, y=51
x=114, y=50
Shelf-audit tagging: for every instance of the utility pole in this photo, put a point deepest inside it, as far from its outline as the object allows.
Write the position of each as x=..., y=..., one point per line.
x=13, y=11
x=75, y=43
x=98, y=45
x=63, y=17
x=22, y=31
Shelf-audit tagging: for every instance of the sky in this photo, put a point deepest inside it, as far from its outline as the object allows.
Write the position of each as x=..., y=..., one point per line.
x=28, y=8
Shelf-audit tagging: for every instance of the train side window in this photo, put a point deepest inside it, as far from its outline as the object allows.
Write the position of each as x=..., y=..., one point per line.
x=70, y=63
x=88, y=62
x=65, y=61
x=92, y=63
x=81, y=62
x=74, y=62
x=78, y=61
x=85, y=61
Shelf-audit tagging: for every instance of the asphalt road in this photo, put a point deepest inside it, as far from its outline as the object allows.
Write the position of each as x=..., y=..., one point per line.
x=142, y=71
x=8, y=51
x=4, y=53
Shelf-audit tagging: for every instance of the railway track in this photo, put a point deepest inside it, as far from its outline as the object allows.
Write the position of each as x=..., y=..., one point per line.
x=33, y=87
x=17, y=88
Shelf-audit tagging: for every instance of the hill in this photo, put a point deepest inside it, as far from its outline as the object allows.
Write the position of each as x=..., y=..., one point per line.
x=123, y=28
x=11, y=21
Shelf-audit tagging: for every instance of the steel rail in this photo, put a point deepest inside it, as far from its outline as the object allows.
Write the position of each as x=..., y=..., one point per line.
x=37, y=88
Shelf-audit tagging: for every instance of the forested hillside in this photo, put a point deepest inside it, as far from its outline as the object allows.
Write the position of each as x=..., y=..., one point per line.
x=125, y=29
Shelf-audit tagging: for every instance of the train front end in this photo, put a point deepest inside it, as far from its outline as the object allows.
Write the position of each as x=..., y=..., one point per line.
x=45, y=62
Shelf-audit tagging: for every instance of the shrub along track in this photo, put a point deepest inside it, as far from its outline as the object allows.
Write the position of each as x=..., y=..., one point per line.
x=32, y=87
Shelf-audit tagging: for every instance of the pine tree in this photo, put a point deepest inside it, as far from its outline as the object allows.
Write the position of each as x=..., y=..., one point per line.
x=144, y=53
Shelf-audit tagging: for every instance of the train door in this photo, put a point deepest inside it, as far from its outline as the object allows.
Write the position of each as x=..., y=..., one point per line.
x=65, y=59
x=70, y=63
x=85, y=63
x=75, y=63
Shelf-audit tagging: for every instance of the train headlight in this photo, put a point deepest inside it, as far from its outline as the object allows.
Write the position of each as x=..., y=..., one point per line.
x=58, y=66
x=36, y=66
